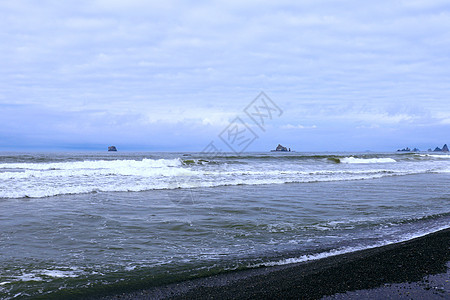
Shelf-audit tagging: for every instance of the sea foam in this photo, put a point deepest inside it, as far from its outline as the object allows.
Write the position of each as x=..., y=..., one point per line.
x=344, y=250
x=354, y=160
x=38, y=180
x=436, y=155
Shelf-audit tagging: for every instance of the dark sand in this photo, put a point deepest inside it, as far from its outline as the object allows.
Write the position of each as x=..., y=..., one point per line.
x=416, y=269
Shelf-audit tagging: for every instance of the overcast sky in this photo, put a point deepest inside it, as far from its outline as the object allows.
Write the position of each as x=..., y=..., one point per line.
x=172, y=75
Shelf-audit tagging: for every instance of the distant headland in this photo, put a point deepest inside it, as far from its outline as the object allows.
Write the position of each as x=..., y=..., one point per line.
x=437, y=149
x=112, y=148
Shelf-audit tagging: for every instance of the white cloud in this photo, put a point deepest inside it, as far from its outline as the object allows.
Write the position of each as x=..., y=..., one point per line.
x=381, y=118
x=173, y=62
x=290, y=126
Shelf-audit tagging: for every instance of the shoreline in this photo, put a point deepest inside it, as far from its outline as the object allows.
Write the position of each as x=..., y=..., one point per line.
x=386, y=270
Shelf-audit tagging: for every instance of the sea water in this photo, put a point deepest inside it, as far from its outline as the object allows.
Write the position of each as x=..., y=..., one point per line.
x=102, y=222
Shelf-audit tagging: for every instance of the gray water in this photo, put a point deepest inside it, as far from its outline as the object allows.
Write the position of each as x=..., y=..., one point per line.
x=89, y=222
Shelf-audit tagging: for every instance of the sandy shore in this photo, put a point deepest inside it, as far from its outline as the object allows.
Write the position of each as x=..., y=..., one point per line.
x=416, y=269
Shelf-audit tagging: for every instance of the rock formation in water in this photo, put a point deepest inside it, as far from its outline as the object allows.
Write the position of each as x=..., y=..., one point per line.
x=407, y=149
x=280, y=148
x=437, y=149
x=112, y=148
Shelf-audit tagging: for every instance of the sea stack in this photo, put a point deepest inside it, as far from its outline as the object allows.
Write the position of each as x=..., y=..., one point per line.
x=112, y=148
x=445, y=148
x=281, y=148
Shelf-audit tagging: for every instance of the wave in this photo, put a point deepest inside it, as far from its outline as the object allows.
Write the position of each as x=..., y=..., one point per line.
x=344, y=250
x=203, y=159
x=180, y=178
x=312, y=158
x=436, y=155
x=41, y=275
x=145, y=167
x=37, y=180
x=354, y=160
x=195, y=161
x=95, y=164
x=334, y=157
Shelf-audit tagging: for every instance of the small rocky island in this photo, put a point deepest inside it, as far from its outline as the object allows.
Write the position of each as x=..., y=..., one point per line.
x=281, y=149
x=112, y=148
x=407, y=149
x=437, y=149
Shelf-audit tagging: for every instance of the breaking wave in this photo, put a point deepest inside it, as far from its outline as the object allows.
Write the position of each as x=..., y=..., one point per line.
x=354, y=160
x=45, y=179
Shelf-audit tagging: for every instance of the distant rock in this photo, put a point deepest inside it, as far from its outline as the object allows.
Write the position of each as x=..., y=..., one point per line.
x=437, y=149
x=281, y=148
x=404, y=150
x=416, y=150
x=112, y=148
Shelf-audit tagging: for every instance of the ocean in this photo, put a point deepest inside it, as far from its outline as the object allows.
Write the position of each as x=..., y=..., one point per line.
x=92, y=223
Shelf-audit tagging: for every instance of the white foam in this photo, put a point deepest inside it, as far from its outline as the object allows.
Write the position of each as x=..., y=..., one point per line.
x=38, y=275
x=145, y=168
x=354, y=160
x=345, y=250
x=436, y=155
x=41, y=186
x=37, y=180
x=95, y=164
x=59, y=273
x=29, y=277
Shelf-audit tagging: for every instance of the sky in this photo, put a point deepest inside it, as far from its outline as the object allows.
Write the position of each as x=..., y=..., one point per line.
x=179, y=75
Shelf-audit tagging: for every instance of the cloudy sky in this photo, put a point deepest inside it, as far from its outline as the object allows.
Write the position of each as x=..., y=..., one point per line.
x=172, y=75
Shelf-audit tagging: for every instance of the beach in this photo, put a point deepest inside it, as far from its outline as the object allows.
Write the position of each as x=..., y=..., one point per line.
x=416, y=269
x=186, y=225
x=224, y=149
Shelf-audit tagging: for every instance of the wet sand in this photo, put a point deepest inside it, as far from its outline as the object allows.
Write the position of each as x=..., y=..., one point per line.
x=415, y=269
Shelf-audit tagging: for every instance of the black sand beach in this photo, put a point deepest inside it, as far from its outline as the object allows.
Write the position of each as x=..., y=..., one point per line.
x=416, y=269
